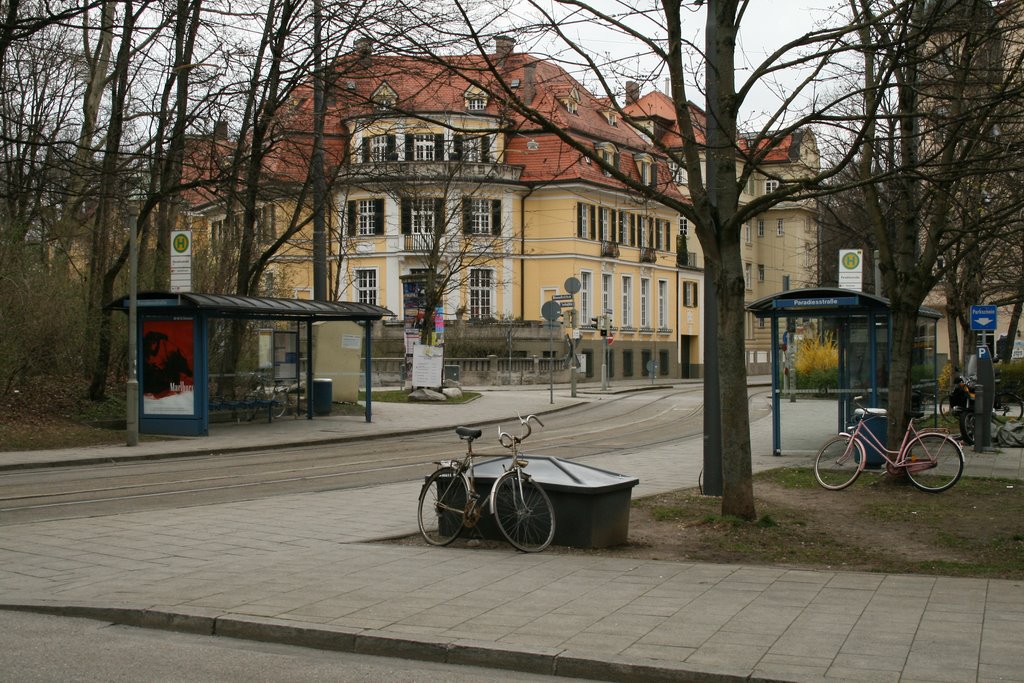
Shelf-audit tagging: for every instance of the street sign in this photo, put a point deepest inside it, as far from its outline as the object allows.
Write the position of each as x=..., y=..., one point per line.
x=851, y=267
x=983, y=318
x=562, y=297
x=181, y=261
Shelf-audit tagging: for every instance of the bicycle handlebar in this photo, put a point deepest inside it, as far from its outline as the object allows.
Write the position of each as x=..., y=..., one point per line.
x=509, y=441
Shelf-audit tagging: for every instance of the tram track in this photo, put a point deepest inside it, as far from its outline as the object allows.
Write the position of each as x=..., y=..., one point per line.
x=599, y=428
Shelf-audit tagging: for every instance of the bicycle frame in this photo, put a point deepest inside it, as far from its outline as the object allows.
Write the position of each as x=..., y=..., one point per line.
x=866, y=437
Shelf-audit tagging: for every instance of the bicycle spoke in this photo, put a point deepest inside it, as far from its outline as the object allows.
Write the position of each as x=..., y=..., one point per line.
x=839, y=462
x=934, y=462
x=442, y=506
x=523, y=512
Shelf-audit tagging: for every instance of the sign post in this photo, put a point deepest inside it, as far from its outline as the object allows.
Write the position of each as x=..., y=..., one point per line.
x=181, y=261
x=851, y=269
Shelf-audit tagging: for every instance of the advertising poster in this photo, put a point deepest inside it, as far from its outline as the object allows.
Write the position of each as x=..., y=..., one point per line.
x=167, y=366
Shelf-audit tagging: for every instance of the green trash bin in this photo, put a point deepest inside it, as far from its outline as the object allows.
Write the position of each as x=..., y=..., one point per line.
x=323, y=396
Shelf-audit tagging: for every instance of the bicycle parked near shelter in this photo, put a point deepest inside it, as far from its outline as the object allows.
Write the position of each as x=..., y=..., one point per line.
x=449, y=501
x=932, y=460
x=1006, y=407
x=268, y=395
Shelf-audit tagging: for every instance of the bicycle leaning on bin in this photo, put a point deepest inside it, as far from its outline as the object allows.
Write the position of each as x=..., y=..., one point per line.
x=449, y=501
x=932, y=460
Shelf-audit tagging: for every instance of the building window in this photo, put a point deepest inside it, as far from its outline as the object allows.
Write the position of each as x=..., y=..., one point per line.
x=476, y=103
x=218, y=231
x=604, y=222
x=627, y=301
x=770, y=186
x=760, y=272
x=678, y=173
x=422, y=216
x=624, y=221
x=475, y=148
x=785, y=283
x=645, y=168
x=586, y=292
x=423, y=147
x=481, y=216
x=690, y=294
x=606, y=293
x=645, y=302
x=684, y=226
x=748, y=275
x=366, y=286
x=780, y=227
x=662, y=304
x=481, y=303
x=760, y=227
x=367, y=217
x=266, y=223
x=746, y=232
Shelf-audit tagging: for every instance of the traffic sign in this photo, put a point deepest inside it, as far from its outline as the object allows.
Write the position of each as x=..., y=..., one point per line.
x=983, y=318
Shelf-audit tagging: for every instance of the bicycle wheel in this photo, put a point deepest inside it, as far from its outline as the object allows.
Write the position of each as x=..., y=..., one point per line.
x=967, y=426
x=523, y=511
x=934, y=462
x=279, y=406
x=839, y=462
x=442, y=506
x=1007, y=407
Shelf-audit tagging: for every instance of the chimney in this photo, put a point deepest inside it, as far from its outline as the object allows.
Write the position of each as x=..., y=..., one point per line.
x=363, y=48
x=632, y=92
x=503, y=46
x=220, y=130
x=529, y=83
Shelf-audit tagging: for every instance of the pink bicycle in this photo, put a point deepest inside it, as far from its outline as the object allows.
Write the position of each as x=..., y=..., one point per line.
x=933, y=461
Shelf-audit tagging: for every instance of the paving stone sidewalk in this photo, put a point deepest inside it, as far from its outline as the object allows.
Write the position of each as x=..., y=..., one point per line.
x=304, y=569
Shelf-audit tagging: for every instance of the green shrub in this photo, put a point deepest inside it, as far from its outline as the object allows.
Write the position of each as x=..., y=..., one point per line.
x=817, y=363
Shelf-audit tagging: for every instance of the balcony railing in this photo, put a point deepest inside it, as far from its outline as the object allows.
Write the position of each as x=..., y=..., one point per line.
x=686, y=259
x=609, y=250
x=418, y=242
x=432, y=170
x=648, y=255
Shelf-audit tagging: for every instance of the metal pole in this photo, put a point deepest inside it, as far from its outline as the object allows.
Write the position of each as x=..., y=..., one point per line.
x=551, y=359
x=132, y=417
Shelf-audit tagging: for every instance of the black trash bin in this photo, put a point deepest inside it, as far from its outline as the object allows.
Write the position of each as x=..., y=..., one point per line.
x=323, y=396
x=591, y=505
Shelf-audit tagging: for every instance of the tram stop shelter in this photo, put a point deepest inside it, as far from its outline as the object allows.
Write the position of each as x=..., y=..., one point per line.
x=860, y=327
x=172, y=341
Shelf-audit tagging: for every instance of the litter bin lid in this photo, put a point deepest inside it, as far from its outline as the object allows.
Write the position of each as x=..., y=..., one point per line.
x=556, y=474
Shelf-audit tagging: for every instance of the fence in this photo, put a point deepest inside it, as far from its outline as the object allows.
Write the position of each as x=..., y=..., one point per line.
x=488, y=371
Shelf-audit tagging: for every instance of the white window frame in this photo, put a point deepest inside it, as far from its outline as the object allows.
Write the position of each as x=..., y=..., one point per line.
x=604, y=219
x=607, y=292
x=365, y=282
x=379, y=148
x=480, y=216
x=476, y=103
x=760, y=227
x=780, y=227
x=366, y=218
x=481, y=293
x=770, y=185
x=748, y=275
x=746, y=232
x=662, y=304
x=421, y=217
x=684, y=226
x=627, y=300
x=645, y=302
x=586, y=294
x=760, y=272
x=423, y=148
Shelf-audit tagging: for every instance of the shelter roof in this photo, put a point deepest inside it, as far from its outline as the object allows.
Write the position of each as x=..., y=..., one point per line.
x=830, y=300
x=233, y=306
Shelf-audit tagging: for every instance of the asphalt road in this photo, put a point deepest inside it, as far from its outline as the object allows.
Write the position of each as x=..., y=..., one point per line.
x=36, y=647
x=630, y=421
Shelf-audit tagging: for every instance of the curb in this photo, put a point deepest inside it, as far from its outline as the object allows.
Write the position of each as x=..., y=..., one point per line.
x=492, y=655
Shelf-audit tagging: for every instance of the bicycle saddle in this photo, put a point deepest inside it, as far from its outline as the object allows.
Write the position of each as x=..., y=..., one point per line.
x=468, y=433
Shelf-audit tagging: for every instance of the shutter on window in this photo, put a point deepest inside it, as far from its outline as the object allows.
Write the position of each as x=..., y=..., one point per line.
x=391, y=148
x=593, y=221
x=408, y=147
x=654, y=173
x=439, y=227
x=614, y=228
x=632, y=229
x=495, y=216
x=351, y=218
x=378, y=216
x=364, y=150
x=439, y=146
x=485, y=149
x=406, y=217
x=467, y=216
x=456, y=147
x=580, y=208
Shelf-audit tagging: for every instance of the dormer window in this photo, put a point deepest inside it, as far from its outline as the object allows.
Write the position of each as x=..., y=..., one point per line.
x=612, y=117
x=476, y=99
x=607, y=153
x=384, y=97
x=645, y=169
x=572, y=102
x=770, y=186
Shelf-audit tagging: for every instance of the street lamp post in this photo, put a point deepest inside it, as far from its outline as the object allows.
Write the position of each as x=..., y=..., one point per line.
x=132, y=407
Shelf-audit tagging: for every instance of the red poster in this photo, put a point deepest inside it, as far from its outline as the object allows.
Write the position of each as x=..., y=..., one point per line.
x=167, y=365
